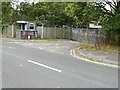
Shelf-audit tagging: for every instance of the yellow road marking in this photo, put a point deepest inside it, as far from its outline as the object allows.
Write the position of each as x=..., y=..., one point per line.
x=72, y=52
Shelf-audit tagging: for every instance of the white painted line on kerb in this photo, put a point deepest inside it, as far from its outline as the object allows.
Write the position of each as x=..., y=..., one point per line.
x=51, y=68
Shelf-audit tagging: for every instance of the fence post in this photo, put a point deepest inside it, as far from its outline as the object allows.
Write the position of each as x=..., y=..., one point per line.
x=55, y=32
x=42, y=33
x=13, y=29
x=64, y=29
x=70, y=36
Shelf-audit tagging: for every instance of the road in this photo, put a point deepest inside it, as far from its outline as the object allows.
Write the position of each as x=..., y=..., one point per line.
x=27, y=67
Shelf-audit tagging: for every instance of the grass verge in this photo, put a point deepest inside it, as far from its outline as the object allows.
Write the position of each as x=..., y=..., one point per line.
x=102, y=48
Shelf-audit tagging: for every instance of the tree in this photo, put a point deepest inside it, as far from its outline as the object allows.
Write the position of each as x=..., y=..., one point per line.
x=25, y=11
x=110, y=20
x=7, y=12
x=0, y=7
x=49, y=13
x=79, y=11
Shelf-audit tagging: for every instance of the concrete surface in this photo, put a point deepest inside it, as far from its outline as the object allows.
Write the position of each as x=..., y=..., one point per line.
x=100, y=56
x=18, y=72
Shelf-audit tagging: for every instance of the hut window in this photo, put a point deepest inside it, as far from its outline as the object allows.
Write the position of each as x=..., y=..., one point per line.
x=31, y=26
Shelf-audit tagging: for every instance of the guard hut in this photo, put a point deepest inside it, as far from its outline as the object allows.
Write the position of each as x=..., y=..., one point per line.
x=27, y=30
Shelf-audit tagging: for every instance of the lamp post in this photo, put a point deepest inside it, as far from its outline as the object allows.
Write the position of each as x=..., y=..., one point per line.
x=13, y=29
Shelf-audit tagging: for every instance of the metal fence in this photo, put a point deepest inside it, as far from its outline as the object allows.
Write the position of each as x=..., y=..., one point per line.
x=0, y=30
x=51, y=32
x=78, y=34
x=87, y=35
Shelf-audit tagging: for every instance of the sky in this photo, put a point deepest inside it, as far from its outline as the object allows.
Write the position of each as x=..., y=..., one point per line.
x=17, y=2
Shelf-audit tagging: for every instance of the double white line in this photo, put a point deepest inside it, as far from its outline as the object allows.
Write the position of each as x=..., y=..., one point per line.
x=51, y=68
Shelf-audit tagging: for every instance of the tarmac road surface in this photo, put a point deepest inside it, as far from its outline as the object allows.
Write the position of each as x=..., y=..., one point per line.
x=27, y=67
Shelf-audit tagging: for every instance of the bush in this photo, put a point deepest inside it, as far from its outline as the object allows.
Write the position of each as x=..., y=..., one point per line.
x=4, y=29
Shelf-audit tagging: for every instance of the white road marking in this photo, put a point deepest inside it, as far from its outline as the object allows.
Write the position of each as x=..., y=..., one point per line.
x=40, y=48
x=57, y=87
x=51, y=68
x=9, y=47
x=20, y=65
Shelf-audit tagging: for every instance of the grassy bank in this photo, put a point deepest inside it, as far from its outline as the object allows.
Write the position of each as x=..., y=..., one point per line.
x=102, y=48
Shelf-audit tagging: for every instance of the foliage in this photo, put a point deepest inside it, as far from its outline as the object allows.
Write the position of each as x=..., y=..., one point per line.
x=4, y=28
x=109, y=19
x=7, y=11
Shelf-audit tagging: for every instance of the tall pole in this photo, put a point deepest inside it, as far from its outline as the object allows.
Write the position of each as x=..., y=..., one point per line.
x=13, y=29
x=42, y=31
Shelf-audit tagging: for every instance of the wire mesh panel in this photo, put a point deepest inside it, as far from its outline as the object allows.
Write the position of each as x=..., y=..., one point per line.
x=78, y=34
